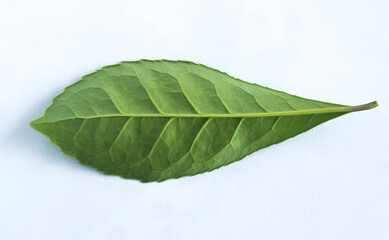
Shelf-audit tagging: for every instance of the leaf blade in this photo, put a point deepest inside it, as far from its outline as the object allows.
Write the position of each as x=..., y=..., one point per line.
x=156, y=120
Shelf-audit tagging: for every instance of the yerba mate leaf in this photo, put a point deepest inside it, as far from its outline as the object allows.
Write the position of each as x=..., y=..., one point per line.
x=156, y=120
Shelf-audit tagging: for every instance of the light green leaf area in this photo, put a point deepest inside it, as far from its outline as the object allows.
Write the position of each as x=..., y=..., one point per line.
x=157, y=120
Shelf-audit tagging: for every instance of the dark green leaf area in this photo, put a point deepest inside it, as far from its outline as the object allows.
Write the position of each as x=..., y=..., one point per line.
x=156, y=149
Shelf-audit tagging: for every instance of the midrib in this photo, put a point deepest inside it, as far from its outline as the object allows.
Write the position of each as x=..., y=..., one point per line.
x=240, y=115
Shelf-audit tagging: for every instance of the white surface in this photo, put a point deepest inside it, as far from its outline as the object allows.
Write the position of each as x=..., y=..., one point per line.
x=329, y=183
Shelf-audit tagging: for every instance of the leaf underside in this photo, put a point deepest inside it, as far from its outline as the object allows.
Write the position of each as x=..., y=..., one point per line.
x=157, y=120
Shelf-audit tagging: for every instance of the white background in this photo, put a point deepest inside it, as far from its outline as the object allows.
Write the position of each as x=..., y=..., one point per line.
x=329, y=183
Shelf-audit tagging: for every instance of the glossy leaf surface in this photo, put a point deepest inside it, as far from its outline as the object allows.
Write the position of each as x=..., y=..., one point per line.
x=157, y=120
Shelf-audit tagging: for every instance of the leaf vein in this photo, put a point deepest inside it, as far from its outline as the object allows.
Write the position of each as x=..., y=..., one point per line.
x=117, y=137
x=147, y=91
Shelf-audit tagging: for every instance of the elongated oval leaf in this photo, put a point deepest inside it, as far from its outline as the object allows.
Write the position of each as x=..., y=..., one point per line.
x=156, y=120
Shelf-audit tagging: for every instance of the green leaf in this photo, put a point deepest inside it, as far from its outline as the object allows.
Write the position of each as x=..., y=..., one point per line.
x=157, y=120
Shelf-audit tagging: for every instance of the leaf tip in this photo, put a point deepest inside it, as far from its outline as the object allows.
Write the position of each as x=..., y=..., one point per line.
x=34, y=123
